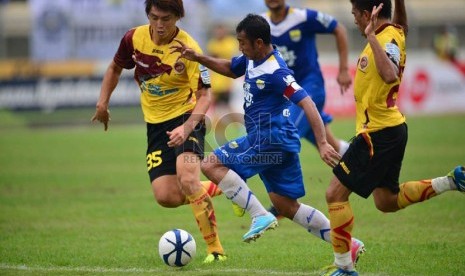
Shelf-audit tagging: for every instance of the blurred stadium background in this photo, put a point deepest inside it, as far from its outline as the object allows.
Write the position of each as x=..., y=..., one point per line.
x=53, y=53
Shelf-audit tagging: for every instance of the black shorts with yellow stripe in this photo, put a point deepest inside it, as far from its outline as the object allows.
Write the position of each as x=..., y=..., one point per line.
x=373, y=160
x=161, y=159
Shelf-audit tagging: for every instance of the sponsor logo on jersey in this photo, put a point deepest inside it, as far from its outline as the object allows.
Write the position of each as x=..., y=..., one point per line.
x=204, y=74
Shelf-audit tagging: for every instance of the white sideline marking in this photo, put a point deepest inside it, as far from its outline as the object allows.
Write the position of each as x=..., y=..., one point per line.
x=141, y=270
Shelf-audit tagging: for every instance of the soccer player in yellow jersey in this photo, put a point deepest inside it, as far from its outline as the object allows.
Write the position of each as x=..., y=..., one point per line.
x=373, y=161
x=174, y=95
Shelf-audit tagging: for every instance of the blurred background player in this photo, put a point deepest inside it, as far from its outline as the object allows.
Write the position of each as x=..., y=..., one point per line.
x=446, y=43
x=222, y=44
x=294, y=32
x=175, y=95
x=372, y=163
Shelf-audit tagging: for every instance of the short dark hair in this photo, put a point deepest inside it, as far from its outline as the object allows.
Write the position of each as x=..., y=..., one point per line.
x=367, y=5
x=255, y=27
x=174, y=6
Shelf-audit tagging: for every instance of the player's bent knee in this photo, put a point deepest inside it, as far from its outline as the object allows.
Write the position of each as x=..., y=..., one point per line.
x=386, y=207
x=206, y=168
x=172, y=201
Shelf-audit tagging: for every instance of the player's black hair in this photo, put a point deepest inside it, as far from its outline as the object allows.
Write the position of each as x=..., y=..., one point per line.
x=255, y=27
x=174, y=6
x=367, y=5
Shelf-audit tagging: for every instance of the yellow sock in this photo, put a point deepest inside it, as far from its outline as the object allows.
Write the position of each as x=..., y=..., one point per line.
x=211, y=188
x=414, y=191
x=341, y=220
x=204, y=213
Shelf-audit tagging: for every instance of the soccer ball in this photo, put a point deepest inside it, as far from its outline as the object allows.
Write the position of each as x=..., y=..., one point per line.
x=177, y=247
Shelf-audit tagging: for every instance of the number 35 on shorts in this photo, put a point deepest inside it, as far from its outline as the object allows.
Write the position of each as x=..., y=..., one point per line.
x=154, y=159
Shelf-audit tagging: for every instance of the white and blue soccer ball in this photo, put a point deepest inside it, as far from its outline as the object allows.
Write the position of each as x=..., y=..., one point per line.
x=177, y=247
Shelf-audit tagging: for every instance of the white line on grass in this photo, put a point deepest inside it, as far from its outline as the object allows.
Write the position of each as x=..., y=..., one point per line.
x=84, y=269
x=141, y=270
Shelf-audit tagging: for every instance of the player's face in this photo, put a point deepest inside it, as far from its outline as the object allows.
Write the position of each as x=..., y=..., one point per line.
x=246, y=46
x=275, y=4
x=163, y=23
x=360, y=19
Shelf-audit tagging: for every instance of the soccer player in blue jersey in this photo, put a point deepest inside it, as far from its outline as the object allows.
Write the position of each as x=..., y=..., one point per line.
x=271, y=146
x=294, y=32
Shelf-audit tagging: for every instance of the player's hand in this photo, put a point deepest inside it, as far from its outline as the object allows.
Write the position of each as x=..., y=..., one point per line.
x=185, y=51
x=370, y=29
x=177, y=136
x=329, y=155
x=344, y=80
x=102, y=114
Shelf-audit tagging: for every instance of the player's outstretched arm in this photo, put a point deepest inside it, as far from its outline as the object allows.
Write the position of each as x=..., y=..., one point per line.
x=327, y=152
x=343, y=78
x=400, y=15
x=221, y=66
x=109, y=82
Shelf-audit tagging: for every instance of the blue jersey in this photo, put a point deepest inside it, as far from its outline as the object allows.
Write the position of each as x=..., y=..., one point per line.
x=268, y=89
x=295, y=39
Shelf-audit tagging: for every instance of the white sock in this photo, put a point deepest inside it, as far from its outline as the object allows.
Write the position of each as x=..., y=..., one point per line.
x=443, y=184
x=344, y=261
x=235, y=189
x=314, y=221
x=343, y=146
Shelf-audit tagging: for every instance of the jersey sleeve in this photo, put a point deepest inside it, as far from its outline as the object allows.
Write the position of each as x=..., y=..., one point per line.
x=285, y=81
x=390, y=44
x=239, y=65
x=198, y=74
x=319, y=22
x=123, y=56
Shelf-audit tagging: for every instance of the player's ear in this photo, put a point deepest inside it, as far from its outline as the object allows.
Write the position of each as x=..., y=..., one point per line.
x=366, y=14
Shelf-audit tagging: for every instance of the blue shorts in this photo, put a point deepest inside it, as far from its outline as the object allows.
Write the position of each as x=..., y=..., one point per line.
x=318, y=94
x=280, y=171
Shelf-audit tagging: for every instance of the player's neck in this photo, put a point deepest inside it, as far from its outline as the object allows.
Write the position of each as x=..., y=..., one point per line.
x=382, y=22
x=279, y=14
x=265, y=53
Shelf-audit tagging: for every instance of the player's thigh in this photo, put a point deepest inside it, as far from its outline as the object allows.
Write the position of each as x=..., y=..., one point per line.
x=285, y=178
x=242, y=157
x=161, y=159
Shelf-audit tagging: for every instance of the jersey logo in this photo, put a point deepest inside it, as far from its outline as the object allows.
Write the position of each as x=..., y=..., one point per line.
x=363, y=63
x=233, y=144
x=260, y=84
x=295, y=35
x=286, y=112
x=179, y=67
x=150, y=66
x=193, y=139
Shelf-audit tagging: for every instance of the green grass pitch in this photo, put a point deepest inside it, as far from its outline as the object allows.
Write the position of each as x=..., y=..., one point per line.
x=75, y=200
